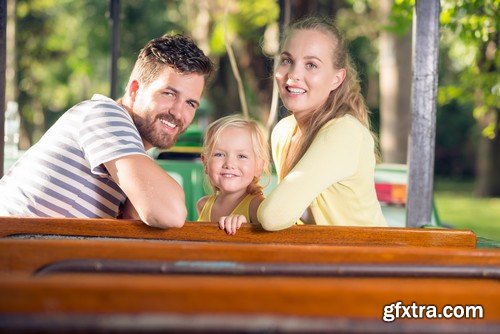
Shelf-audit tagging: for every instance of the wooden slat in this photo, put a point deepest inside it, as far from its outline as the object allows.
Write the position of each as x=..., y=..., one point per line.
x=196, y=231
x=297, y=296
x=27, y=256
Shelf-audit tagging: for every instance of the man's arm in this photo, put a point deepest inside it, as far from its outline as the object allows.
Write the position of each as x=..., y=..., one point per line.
x=156, y=196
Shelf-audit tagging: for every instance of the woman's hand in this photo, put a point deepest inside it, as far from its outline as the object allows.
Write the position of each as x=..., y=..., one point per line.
x=231, y=223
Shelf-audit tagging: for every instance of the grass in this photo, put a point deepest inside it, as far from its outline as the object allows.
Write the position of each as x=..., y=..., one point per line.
x=457, y=206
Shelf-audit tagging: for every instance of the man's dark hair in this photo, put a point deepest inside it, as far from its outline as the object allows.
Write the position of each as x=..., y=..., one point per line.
x=177, y=51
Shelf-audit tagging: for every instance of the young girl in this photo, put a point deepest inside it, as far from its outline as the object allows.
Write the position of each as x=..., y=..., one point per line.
x=324, y=152
x=235, y=156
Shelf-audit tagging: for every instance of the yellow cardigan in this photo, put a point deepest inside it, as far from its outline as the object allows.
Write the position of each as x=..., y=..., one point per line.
x=335, y=178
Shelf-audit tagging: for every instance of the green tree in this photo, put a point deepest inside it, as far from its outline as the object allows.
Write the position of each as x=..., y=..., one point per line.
x=470, y=33
x=246, y=27
x=63, y=53
x=57, y=69
x=468, y=76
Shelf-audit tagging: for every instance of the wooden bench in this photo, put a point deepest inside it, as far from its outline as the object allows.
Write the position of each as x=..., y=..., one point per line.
x=197, y=231
x=27, y=256
x=348, y=300
x=150, y=303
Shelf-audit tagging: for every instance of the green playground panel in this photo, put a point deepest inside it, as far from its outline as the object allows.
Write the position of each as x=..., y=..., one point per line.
x=190, y=175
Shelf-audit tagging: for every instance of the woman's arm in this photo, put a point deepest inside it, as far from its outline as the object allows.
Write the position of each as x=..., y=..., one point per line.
x=332, y=157
x=254, y=206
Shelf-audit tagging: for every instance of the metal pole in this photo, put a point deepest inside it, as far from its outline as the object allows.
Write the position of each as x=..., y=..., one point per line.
x=423, y=126
x=115, y=44
x=3, y=57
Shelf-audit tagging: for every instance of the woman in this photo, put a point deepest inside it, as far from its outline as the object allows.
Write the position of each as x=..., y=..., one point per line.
x=324, y=152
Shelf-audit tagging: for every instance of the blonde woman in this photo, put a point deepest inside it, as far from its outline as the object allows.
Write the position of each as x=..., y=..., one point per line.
x=324, y=152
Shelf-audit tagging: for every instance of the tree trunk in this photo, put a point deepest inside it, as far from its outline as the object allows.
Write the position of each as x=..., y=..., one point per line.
x=488, y=158
x=395, y=91
x=488, y=164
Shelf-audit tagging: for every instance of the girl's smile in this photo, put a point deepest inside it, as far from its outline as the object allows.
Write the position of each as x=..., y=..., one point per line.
x=232, y=164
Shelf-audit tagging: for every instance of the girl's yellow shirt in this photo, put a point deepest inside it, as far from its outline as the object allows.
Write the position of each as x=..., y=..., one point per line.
x=243, y=208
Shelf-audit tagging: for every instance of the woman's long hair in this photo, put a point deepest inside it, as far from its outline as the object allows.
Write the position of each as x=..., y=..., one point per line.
x=345, y=100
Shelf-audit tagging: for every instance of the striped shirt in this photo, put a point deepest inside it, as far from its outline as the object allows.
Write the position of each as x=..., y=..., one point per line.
x=63, y=174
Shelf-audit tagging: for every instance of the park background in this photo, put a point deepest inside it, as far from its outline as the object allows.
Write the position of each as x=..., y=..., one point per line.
x=58, y=54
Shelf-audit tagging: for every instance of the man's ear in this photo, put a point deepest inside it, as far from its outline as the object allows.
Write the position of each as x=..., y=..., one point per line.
x=132, y=90
x=338, y=78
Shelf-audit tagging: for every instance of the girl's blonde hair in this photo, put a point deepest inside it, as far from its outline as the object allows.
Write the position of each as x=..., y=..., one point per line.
x=344, y=100
x=259, y=143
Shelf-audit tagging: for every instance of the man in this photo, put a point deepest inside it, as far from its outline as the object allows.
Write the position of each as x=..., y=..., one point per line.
x=93, y=159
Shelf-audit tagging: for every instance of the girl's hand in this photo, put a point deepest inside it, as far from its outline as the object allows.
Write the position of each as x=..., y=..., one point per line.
x=231, y=223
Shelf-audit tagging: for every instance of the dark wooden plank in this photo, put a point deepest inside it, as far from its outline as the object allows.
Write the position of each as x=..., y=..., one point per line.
x=196, y=231
x=27, y=256
x=228, y=323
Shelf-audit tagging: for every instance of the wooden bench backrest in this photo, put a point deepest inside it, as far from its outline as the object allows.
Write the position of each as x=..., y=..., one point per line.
x=29, y=255
x=299, y=296
x=197, y=231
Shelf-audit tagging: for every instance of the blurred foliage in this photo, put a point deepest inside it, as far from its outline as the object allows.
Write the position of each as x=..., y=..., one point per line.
x=469, y=38
x=356, y=21
x=56, y=68
x=455, y=137
x=247, y=20
x=471, y=35
x=401, y=17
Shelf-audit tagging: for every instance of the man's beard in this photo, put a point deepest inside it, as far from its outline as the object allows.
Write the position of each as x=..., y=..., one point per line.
x=148, y=129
